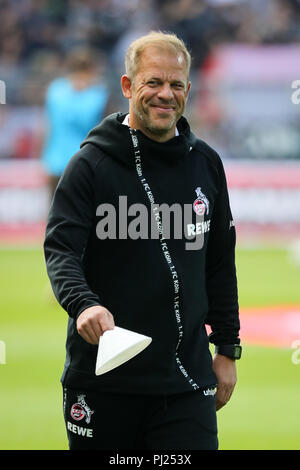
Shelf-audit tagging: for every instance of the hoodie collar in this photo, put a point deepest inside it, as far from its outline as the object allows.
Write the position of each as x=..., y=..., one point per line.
x=113, y=139
x=126, y=123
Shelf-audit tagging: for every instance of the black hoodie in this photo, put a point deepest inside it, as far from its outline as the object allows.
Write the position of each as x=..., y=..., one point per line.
x=152, y=285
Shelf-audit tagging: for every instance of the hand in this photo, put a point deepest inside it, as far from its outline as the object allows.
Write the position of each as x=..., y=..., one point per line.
x=225, y=370
x=92, y=323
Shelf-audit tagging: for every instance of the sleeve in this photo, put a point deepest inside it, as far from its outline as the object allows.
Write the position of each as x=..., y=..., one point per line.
x=221, y=280
x=70, y=221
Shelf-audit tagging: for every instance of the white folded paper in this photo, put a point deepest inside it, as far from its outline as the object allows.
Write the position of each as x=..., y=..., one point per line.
x=118, y=346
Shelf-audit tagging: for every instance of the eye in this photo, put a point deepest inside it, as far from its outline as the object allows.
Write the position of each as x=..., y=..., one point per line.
x=152, y=83
x=178, y=85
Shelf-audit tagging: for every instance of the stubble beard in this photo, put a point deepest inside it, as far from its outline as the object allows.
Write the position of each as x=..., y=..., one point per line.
x=146, y=121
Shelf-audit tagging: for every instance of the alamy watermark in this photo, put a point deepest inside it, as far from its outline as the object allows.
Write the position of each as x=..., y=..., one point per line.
x=296, y=354
x=296, y=94
x=2, y=352
x=2, y=92
x=161, y=222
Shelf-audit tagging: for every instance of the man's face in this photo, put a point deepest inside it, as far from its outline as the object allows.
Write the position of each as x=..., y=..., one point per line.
x=158, y=92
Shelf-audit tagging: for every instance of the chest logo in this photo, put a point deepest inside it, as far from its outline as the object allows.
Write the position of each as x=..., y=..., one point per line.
x=201, y=204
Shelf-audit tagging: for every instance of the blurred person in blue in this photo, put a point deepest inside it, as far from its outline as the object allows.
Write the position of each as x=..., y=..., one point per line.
x=74, y=104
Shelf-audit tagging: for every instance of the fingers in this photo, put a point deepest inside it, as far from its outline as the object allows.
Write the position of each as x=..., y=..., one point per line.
x=225, y=370
x=92, y=323
x=223, y=395
x=90, y=331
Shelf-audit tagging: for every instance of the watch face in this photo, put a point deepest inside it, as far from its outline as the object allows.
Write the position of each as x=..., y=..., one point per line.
x=234, y=351
x=237, y=352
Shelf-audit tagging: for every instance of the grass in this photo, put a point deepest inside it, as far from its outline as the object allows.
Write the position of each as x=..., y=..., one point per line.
x=262, y=414
x=33, y=327
x=267, y=276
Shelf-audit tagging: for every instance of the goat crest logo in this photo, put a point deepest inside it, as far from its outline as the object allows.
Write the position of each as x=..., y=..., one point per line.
x=81, y=410
x=201, y=204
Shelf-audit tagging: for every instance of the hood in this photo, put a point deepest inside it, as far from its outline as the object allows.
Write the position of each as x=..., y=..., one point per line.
x=113, y=138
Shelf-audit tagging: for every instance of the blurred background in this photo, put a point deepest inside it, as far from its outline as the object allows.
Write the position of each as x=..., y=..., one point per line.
x=60, y=68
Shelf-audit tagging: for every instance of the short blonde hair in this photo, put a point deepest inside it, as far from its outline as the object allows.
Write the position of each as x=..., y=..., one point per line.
x=154, y=38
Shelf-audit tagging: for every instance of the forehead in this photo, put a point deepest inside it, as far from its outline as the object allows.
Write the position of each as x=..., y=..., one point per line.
x=162, y=59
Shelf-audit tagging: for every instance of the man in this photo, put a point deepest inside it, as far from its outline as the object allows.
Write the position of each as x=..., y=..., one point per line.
x=107, y=270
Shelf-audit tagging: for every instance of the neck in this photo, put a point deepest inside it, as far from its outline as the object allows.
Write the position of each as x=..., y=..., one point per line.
x=157, y=137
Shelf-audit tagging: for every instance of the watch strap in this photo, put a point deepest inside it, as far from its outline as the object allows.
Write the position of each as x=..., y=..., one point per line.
x=234, y=351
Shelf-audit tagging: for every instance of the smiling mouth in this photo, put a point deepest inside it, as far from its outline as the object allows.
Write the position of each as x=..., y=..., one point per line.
x=163, y=108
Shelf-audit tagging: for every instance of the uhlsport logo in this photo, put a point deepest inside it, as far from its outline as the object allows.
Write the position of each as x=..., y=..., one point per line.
x=81, y=410
x=201, y=204
x=210, y=392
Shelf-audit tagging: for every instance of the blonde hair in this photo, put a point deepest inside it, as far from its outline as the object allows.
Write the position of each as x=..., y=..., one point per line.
x=154, y=38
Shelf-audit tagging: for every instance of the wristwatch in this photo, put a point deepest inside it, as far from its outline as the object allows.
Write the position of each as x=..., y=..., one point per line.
x=234, y=351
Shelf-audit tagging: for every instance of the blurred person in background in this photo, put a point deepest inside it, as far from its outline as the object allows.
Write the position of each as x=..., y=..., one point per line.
x=74, y=104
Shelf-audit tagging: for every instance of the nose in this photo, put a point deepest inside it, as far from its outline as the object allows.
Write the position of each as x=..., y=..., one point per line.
x=165, y=92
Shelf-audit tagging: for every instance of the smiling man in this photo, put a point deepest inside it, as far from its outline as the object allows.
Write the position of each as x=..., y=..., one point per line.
x=167, y=396
x=157, y=87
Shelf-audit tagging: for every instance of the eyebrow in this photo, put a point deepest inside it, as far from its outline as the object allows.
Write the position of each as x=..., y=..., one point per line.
x=158, y=79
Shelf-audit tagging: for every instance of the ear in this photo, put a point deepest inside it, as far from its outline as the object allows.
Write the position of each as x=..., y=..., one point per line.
x=188, y=89
x=126, y=86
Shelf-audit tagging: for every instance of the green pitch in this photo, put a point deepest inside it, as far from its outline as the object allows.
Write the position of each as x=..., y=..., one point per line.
x=264, y=410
